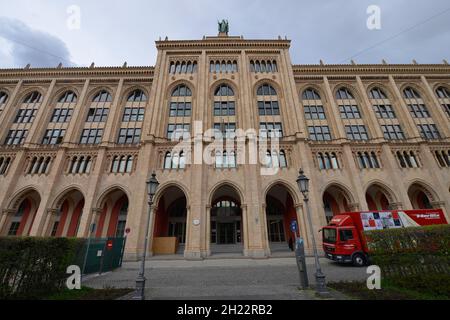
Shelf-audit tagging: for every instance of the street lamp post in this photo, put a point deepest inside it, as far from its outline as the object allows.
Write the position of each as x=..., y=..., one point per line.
x=152, y=185
x=303, y=185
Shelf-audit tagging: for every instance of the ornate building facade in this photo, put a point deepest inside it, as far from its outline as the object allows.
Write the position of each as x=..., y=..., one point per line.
x=77, y=145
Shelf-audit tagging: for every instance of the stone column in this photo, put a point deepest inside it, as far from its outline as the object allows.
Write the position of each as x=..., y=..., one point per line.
x=8, y=114
x=46, y=231
x=208, y=230
x=302, y=225
x=3, y=219
x=335, y=120
x=192, y=250
x=244, y=229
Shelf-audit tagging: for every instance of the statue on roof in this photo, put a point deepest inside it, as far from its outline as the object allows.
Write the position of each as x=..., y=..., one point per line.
x=223, y=26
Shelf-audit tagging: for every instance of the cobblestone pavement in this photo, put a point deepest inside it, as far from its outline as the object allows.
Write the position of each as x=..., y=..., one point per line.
x=230, y=279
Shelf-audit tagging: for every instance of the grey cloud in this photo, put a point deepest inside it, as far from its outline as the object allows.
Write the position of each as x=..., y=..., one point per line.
x=38, y=48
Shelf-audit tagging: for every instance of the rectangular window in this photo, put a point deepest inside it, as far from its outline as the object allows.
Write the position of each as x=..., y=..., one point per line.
x=25, y=116
x=175, y=131
x=384, y=111
x=224, y=108
x=349, y=112
x=268, y=108
x=91, y=136
x=319, y=133
x=97, y=115
x=180, y=109
x=314, y=112
x=393, y=132
x=62, y=115
x=53, y=137
x=133, y=115
x=16, y=137
x=429, y=131
x=356, y=132
x=267, y=129
x=418, y=110
x=228, y=129
x=129, y=136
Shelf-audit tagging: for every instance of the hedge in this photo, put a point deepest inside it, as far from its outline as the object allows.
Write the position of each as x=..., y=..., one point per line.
x=413, y=258
x=33, y=268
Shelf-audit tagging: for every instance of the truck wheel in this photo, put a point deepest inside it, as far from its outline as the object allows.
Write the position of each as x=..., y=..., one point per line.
x=359, y=260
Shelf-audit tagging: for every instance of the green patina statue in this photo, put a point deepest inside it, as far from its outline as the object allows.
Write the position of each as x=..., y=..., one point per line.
x=223, y=26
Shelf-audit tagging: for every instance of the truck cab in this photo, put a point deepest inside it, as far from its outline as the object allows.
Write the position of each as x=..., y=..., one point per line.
x=342, y=243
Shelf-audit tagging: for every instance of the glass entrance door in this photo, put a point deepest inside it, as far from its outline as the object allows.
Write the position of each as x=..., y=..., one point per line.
x=227, y=233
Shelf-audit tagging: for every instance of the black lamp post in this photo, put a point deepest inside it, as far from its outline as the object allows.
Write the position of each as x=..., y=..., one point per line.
x=303, y=185
x=152, y=186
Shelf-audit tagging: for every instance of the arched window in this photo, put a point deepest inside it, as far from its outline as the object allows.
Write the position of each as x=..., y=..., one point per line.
x=377, y=93
x=310, y=94
x=68, y=97
x=129, y=166
x=102, y=96
x=137, y=96
x=33, y=97
x=334, y=161
x=224, y=102
x=3, y=97
x=344, y=94
x=266, y=90
x=267, y=101
x=313, y=105
x=4, y=164
x=401, y=159
x=181, y=91
x=168, y=160
x=410, y=93
x=115, y=164
x=443, y=93
x=320, y=161
x=283, y=160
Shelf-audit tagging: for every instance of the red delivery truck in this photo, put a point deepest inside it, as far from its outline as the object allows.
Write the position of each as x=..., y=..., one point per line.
x=343, y=239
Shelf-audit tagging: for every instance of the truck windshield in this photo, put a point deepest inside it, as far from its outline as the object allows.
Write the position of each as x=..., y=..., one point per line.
x=329, y=235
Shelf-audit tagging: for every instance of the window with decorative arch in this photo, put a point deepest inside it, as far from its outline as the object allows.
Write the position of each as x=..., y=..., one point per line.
x=92, y=132
x=225, y=159
x=122, y=164
x=80, y=165
x=39, y=165
x=443, y=95
x=350, y=114
x=327, y=161
x=276, y=159
x=263, y=66
x=132, y=118
x=174, y=160
x=223, y=66
x=180, y=111
x=315, y=117
x=5, y=162
x=368, y=160
x=183, y=67
x=384, y=111
x=269, y=111
x=407, y=159
x=442, y=158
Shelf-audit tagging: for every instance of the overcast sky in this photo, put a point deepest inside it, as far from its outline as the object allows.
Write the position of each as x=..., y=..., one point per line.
x=113, y=31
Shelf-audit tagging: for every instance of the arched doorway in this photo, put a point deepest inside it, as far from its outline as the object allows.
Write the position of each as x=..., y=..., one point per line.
x=377, y=198
x=113, y=218
x=420, y=197
x=280, y=212
x=335, y=201
x=226, y=227
x=67, y=219
x=22, y=215
x=171, y=217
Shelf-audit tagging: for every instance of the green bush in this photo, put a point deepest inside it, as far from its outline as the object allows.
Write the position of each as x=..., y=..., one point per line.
x=32, y=268
x=413, y=258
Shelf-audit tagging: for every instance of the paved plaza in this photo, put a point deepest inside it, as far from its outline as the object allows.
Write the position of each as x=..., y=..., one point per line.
x=225, y=279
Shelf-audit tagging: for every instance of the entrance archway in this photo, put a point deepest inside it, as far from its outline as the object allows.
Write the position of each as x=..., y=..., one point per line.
x=69, y=211
x=171, y=217
x=226, y=227
x=420, y=197
x=22, y=213
x=336, y=200
x=378, y=198
x=280, y=212
x=113, y=218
